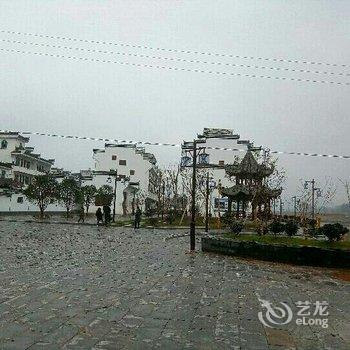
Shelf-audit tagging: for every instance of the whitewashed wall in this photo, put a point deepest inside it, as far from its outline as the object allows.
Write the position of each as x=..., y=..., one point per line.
x=11, y=205
x=227, y=156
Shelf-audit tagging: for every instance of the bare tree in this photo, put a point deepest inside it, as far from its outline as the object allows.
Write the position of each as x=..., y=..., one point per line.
x=346, y=184
x=186, y=182
x=327, y=194
x=323, y=197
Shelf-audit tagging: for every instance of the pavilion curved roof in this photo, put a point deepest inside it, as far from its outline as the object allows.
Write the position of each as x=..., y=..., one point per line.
x=241, y=190
x=248, y=167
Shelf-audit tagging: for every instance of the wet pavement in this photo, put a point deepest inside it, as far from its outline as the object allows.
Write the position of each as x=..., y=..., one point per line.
x=83, y=287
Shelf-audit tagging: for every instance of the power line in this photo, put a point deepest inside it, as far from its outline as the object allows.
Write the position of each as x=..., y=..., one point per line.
x=299, y=61
x=176, y=68
x=147, y=143
x=173, y=59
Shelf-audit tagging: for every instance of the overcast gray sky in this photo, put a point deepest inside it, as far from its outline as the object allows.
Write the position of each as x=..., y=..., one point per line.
x=110, y=100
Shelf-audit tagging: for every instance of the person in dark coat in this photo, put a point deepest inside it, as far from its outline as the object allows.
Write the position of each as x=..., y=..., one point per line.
x=81, y=215
x=138, y=214
x=107, y=214
x=99, y=216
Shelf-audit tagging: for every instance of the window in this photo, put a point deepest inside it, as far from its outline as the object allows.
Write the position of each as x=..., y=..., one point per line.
x=114, y=157
x=3, y=174
x=4, y=144
x=122, y=162
x=132, y=172
x=19, y=199
x=203, y=158
x=221, y=203
x=221, y=162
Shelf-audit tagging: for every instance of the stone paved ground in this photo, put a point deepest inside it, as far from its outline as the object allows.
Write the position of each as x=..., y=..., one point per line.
x=80, y=287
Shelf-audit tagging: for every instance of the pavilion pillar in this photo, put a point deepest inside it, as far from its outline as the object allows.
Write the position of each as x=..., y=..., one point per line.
x=229, y=209
x=237, y=213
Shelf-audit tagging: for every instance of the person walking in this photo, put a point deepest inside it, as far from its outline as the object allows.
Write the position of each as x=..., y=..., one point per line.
x=107, y=214
x=99, y=216
x=138, y=214
x=81, y=215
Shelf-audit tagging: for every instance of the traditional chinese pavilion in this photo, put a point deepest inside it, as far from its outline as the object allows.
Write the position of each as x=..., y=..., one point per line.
x=250, y=188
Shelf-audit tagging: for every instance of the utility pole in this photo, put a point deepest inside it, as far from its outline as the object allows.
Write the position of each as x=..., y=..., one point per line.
x=207, y=204
x=193, y=210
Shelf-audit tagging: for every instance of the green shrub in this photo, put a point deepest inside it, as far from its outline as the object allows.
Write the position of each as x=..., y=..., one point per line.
x=276, y=227
x=152, y=221
x=149, y=212
x=262, y=228
x=311, y=223
x=232, y=224
x=334, y=232
x=291, y=228
x=251, y=225
x=236, y=227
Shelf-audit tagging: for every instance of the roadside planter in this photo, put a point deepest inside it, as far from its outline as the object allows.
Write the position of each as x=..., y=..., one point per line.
x=301, y=255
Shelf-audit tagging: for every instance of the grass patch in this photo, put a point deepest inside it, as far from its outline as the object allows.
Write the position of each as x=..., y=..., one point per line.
x=290, y=241
x=176, y=222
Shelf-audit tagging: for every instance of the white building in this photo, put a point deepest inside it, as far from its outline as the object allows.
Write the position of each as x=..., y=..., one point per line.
x=18, y=166
x=129, y=162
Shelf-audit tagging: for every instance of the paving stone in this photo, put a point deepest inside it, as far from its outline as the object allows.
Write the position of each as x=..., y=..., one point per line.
x=85, y=287
x=279, y=337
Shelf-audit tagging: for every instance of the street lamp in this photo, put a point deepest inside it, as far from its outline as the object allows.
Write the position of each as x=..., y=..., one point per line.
x=210, y=185
x=195, y=151
x=313, y=190
x=192, y=148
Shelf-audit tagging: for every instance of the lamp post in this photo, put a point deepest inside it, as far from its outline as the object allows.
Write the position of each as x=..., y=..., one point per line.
x=313, y=190
x=193, y=148
x=193, y=203
x=210, y=184
x=207, y=203
x=115, y=194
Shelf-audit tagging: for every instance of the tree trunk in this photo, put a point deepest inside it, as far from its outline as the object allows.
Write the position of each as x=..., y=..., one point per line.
x=41, y=208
